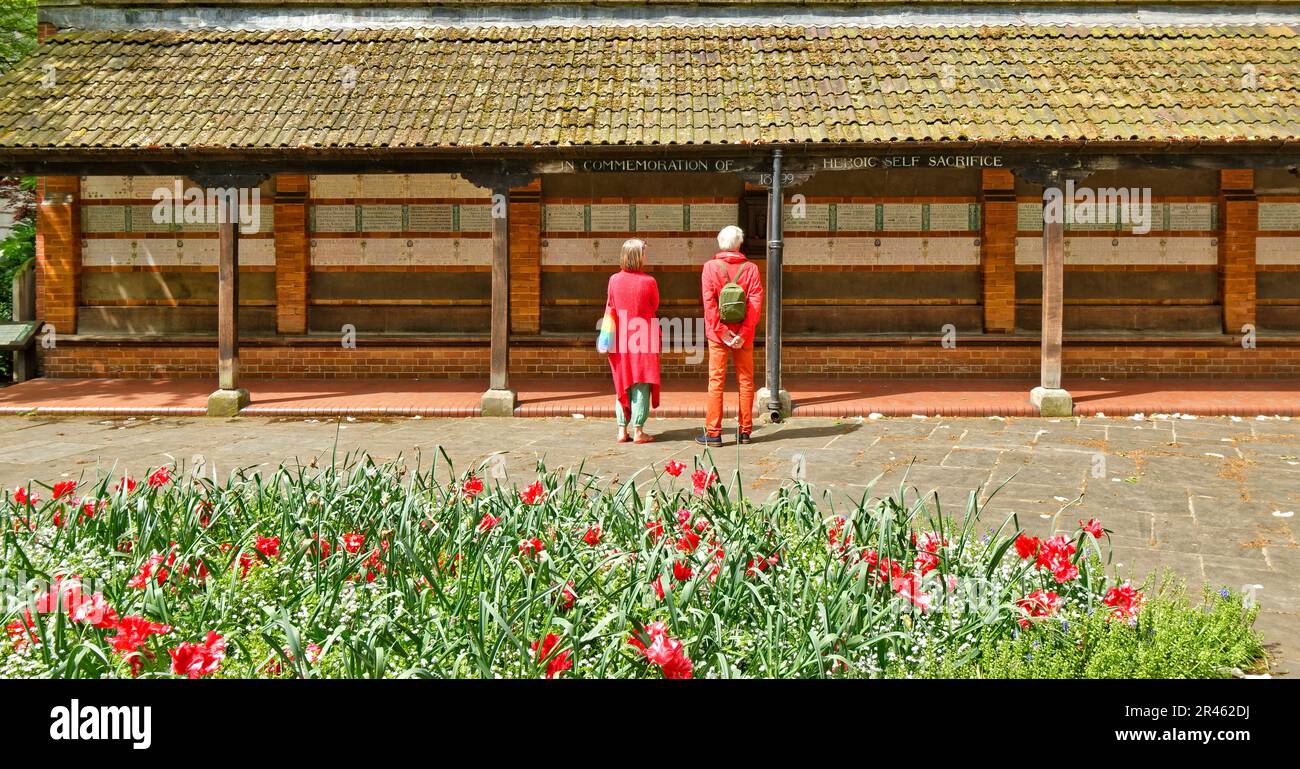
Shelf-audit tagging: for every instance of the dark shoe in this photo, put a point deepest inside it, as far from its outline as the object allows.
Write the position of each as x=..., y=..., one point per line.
x=709, y=440
x=743, y=438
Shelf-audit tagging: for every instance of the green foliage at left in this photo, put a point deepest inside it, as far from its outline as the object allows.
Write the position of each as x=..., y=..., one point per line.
x=17, y=31
x=17, y=39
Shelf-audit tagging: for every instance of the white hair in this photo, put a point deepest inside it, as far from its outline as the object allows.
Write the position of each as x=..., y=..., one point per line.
x=731, y=238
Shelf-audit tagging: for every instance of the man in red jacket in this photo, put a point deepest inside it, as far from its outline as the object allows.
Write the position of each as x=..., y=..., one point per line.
x=730, y=341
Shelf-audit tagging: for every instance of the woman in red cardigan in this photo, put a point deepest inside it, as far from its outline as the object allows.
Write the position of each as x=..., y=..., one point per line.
x=633, y=300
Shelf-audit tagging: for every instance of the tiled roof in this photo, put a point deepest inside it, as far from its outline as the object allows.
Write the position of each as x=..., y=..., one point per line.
x=531, y=86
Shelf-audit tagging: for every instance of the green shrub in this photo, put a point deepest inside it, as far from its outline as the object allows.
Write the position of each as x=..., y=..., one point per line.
x=1172, y=638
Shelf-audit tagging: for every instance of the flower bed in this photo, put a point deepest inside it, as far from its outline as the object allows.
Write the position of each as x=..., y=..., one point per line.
x=377, y=571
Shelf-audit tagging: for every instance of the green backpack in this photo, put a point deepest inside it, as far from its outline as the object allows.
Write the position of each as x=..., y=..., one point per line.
x=732, y=301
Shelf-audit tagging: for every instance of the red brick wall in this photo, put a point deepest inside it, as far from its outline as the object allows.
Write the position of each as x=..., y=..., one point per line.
x=58, y=251
x=292, y=254
x=998, y=250
x=564, y=361
x=1239, y=225
x=525, y=218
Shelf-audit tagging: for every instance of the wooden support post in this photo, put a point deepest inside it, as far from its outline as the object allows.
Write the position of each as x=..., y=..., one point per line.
x=229, y=397
x=499, y=400
x=1051, y=400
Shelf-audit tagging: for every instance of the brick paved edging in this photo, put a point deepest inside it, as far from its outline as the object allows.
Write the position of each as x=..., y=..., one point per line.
x=601, y=412
x=683, y=399
x=108, y=411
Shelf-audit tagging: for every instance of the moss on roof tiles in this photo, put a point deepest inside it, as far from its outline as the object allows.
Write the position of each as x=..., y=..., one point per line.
x=646, y=85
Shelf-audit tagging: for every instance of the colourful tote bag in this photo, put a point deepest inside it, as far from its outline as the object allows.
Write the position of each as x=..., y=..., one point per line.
x=605, y=339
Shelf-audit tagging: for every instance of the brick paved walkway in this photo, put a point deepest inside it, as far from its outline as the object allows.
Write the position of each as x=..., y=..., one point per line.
x=1212, y=499
x=593, y=397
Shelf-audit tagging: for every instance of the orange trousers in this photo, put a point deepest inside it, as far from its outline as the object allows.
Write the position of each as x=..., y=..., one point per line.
x=719, y=355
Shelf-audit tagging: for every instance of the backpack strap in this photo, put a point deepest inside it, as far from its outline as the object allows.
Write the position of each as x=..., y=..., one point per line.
x=731, y=277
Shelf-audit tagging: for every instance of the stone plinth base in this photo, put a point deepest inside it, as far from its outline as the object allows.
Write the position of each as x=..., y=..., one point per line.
x=227, y=403
x=499, y=403
x=1052, y=401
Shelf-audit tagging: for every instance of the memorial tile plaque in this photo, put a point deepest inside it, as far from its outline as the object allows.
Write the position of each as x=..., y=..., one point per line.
x=901, y=250
x=162, y=252
x=444, y=186
x=1098, y=219
x=812, y=250
x=204, y=226
x=1283, y=250
x=384, y=251
x=265, y=223
x=335, y=251
x=1029, y=251
x=143, y=187
x=382, y=186
x=855, y=217
x=257, y=252
x=797, y=251
x=1199, y=251
x=476, y=252
x=1140, y=251
x=107, y=253
x=1088, y=250
x=333, y=186
x=427, y=185
x=1190, y=216
x=142, y=219
x=952, y=217
x=854, y=251
x=1156, y=219
x=432, y=217
x=611, y=218
x=562, y=251
x=103, y=218
x=427, y=251
x=381, y=218
x=960, y=252
x=334, y=218
x=202, y=252
x=816, y=218
x=606, y=251
x=1279, y=216
x=565, y=218
x=902, y=217
x=712, y=217
x=660, y=218
x=698, y=249
x=105, y=187
x=474, y=217
x=1029, y=217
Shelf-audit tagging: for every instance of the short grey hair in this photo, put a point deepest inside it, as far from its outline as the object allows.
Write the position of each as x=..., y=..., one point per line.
x=730, y=238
